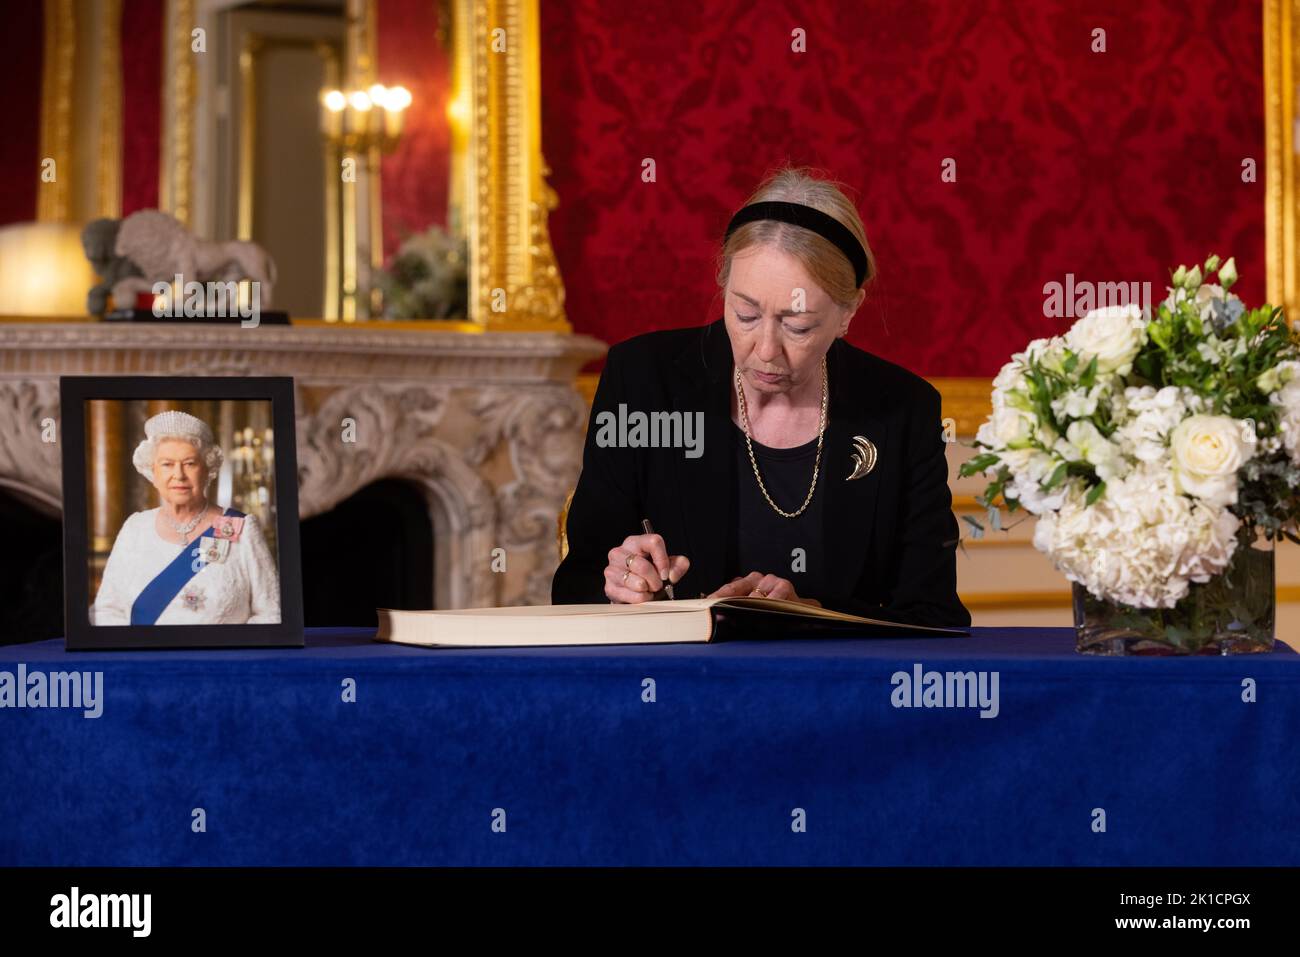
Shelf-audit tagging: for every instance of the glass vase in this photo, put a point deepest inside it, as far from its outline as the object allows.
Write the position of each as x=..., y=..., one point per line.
x=1231, y=614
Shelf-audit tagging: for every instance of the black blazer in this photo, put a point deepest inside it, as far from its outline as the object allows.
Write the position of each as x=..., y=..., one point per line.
x=890, y=536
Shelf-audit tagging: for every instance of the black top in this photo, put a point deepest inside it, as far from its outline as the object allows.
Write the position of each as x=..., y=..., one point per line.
x=888, y=538
x=765, y=541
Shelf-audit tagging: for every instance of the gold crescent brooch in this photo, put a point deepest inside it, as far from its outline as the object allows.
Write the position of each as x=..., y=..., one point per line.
x=864, y=457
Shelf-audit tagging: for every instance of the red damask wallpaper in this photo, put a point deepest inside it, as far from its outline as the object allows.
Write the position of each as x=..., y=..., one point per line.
x=142, y=92
x=412, y=41
x=1112, y=166
x=21, y=59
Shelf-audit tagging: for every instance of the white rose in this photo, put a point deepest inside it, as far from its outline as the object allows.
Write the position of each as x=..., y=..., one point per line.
x=1113, y=335
x=1207, y=450
x=1005, y=427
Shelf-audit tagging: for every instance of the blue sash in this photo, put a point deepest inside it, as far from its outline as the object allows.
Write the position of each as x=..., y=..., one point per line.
x=166, y=585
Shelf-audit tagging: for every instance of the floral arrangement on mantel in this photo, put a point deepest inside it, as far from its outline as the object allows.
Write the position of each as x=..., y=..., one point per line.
x=1154, y=450
x=428, y=277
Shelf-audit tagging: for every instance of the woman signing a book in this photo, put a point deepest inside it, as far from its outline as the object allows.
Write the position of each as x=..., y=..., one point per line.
x=770, y=456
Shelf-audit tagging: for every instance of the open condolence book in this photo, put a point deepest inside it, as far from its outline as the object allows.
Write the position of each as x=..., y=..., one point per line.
x=652, y=622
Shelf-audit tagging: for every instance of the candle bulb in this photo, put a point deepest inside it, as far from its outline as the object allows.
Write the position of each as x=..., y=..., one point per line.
x=332, y=105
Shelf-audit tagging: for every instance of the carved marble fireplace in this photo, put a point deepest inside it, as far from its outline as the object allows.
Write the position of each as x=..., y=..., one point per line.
x=488, y=426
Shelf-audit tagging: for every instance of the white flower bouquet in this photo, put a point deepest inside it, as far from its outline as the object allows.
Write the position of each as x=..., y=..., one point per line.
x=427, y=277
x=1153, y=451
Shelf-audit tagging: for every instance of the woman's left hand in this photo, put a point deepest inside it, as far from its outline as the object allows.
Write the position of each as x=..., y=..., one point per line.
x=758, y=585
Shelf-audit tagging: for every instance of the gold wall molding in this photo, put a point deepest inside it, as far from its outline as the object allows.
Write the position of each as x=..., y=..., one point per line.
x=1017, y=599
x=1281, y=20
x=967, y=400
x=1286, y=594
x=54, y=199
x=108, y=167
x=508, y=199
x=175, y=189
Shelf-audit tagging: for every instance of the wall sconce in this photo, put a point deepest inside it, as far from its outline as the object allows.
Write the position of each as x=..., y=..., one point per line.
x=366, y=123
x=363, y=120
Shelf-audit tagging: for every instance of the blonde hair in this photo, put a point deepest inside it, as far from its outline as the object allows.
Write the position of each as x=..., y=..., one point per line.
x=822, y=259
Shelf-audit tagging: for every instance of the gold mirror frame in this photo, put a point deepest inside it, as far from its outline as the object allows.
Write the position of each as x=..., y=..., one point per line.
x=500, y=179
x=1281, y=164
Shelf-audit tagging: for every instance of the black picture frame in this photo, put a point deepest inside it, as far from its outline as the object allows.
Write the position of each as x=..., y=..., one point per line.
x=80, y=634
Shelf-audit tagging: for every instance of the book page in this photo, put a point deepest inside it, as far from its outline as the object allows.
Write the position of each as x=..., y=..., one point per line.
x=569, y=611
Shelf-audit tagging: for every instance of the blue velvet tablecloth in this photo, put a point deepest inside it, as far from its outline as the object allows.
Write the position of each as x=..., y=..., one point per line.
x=742, y=742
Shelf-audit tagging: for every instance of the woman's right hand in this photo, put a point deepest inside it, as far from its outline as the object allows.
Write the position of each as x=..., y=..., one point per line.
x=640, y=567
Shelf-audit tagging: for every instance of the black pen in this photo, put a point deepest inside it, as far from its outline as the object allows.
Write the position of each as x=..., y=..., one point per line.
x=667, y=585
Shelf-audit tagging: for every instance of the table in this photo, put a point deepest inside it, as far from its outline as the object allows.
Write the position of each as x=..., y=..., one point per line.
x=653, y=755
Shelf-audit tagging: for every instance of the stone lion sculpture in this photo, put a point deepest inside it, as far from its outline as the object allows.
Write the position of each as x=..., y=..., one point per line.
x=99, y=240
x=162, y=249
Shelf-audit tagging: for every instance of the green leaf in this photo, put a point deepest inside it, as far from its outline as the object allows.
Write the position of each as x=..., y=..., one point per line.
x=1089, y=374
x=1094, y=493
x=977, y=464
x=1057, y=477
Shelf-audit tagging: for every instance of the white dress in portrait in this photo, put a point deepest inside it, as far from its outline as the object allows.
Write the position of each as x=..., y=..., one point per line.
x=239, y=586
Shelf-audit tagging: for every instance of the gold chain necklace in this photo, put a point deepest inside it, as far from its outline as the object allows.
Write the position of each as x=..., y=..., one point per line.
x=821, y=431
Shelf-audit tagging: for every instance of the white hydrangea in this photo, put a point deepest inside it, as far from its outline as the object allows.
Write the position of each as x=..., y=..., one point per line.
x=1148, y=415
x=1282, y=382
x=1141, y=543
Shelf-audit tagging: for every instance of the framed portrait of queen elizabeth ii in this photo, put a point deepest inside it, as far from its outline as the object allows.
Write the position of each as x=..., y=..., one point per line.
x=180, y=512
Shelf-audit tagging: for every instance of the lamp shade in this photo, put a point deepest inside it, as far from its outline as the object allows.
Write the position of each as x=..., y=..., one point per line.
x=43, y=270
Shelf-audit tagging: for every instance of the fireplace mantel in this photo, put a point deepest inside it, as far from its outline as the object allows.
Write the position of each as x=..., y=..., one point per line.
x=488, y=425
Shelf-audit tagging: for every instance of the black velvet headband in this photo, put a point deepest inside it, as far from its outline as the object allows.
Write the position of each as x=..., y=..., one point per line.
x=797, y=214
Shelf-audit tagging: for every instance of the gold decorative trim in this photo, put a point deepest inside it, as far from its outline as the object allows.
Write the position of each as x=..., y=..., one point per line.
x=586, y=385
x=1280, y=162
x=404, y=325
x=54, y=199
x=1017, y=599
x=374, y=173
x=109, y=166
x=253, y=44
x=508, y=197
x=176, y=171
x=330, y=305
x=967, y=400
x=1286, y=594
